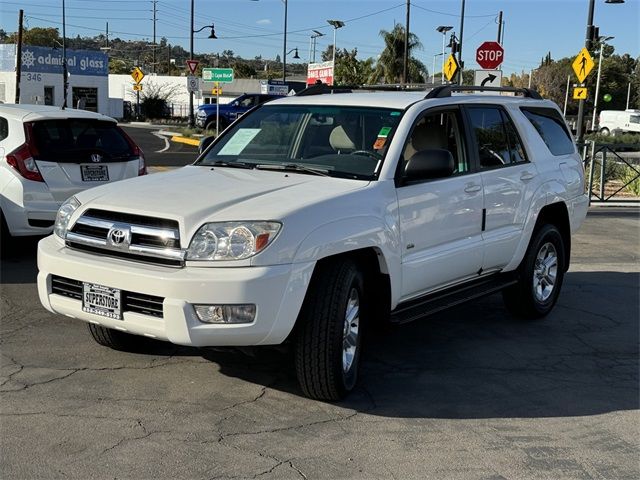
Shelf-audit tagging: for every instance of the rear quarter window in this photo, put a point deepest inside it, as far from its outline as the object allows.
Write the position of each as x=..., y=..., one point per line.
x=552, y=129
x=4, y=128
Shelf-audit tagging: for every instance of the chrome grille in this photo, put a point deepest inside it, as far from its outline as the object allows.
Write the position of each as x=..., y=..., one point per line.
x=131, y=301
x=123, y=235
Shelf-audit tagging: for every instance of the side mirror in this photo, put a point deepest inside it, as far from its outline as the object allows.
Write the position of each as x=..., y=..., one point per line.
x=204, y=143
x=431, y=163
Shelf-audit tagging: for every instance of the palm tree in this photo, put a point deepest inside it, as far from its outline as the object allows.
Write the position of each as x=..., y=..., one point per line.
x=390, y=66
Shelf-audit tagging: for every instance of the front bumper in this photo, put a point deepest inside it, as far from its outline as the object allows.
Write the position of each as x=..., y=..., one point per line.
x=277, y=291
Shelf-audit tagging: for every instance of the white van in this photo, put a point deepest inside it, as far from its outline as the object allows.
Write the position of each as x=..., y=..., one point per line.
x=618, y=121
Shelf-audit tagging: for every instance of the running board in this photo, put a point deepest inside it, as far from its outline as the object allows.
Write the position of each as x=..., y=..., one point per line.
x=435, y=302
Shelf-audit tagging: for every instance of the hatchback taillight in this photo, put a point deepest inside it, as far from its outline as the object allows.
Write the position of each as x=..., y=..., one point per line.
x=142, y=166
x=21, y=159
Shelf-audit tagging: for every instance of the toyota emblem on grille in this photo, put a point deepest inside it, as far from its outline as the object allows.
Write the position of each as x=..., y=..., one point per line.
x=119, y=236
x=96, y=157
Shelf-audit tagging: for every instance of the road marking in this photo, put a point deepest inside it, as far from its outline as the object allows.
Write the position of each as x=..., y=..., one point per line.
x=166, y=142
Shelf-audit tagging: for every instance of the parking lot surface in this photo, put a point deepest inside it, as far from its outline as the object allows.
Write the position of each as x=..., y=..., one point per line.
x=467, y=394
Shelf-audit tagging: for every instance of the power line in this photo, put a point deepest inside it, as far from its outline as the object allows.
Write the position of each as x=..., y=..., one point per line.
x=450, y=14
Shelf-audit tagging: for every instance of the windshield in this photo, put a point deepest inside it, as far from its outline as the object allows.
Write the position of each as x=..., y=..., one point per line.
x=342, y=141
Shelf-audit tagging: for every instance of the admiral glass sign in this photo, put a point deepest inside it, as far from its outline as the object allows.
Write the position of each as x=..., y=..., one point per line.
x=49, y=60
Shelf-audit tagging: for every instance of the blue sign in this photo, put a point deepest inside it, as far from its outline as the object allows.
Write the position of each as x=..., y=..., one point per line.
x=49, y=60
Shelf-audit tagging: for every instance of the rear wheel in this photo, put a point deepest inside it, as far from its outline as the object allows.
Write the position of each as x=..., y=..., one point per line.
x=328, y=341
x=604, y=131
x=116, y=339
x=540, y=275
x=6, y=239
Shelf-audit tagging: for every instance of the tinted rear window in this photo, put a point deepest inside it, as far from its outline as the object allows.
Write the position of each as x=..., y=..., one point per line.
x=552, y=128
x=75, y=140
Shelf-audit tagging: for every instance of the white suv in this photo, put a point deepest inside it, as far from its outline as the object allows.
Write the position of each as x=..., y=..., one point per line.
x=48, y=154
x=314, y=216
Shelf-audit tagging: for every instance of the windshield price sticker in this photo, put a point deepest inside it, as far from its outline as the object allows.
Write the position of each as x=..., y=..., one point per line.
x=384, y=132
x=239, y=141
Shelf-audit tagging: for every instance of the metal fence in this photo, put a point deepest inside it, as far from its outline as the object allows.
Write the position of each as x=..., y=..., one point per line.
x=613, y=171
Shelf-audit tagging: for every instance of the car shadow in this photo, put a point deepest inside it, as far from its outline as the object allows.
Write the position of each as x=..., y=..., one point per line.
x=19, y=260
x=475, y=361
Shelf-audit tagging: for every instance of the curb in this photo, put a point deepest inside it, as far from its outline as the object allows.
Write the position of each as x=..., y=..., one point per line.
x=188, y=141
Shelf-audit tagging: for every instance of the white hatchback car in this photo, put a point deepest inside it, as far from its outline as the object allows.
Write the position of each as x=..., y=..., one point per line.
x=48, y=154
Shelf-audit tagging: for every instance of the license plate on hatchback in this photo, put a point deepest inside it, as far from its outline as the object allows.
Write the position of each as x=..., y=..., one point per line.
x=94, y=173
x=101, y=300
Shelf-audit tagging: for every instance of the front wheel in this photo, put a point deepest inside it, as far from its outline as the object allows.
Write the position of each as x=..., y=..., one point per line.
x=540, y=276
x=329, y=337
x=116, y=339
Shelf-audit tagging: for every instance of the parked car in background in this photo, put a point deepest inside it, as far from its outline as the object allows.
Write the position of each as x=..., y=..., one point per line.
x=48, y=154
x=618, y=121
x=229, y=112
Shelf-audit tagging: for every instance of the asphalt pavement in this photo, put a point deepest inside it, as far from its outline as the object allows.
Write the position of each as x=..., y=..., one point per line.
x=158, y=150
x=467, y=394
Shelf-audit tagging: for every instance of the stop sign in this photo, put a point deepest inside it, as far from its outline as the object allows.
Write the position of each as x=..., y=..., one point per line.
x=490, y=55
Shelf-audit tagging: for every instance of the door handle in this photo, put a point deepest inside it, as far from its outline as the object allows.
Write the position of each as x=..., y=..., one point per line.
x=526, y=176
x=472, y=188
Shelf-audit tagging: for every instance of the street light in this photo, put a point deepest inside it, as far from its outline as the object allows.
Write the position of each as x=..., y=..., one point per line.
x=336, y=24
x=443, y=30
x=312, y=40
x=294, y=50
x=433, y=71
x=601, y=41
x=211, y=35
x=587, y=43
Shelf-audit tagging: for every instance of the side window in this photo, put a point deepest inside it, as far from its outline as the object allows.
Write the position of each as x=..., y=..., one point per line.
x=497, y=141
x=439, y=130
x=551, y=127
x=4, y=128
x=634, y=119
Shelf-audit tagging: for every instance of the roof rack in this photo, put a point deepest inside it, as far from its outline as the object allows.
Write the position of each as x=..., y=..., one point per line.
x=443, y=91
x=323, y=88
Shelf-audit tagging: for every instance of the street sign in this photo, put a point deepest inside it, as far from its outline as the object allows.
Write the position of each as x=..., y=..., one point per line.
x=487, y=78
x=582, y=65
x=490, y=55
x=193, y=85
x=137, y=87
x=580, y=93
x=222, y=75
x=137, y=75
x=451, y=67
x=192, y=65
x=216, y=91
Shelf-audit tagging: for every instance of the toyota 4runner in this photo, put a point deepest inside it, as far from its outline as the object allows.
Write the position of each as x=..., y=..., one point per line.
x=314, y=216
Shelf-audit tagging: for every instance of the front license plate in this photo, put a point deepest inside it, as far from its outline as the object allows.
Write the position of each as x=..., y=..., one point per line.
x=94, y=173
x=101, y=300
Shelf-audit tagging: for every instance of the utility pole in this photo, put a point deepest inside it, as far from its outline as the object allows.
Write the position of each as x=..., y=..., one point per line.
x=284, y=47
x=500, y=27
x=460, y=63
x=191, y=118
x=405, y=60
x=153, y=68
x=65, y=75
x=587, y=44
x=19, y=56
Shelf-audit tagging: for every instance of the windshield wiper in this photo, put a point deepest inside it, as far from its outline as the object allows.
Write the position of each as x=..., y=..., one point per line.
x=295, y=167
x=222, y=163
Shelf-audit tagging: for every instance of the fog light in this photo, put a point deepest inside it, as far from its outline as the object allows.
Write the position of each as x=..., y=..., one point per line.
x=226, y=313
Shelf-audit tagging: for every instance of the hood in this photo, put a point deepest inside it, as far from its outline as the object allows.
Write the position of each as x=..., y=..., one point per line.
x=194, y=195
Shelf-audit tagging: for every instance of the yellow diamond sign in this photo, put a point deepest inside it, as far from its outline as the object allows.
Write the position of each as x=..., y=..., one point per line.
x=137, y=75
x=582, y=65
x=450, y=67
x=580, y=93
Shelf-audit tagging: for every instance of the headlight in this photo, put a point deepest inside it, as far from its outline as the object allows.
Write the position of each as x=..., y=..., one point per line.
x=64, y=215
x=231, y=240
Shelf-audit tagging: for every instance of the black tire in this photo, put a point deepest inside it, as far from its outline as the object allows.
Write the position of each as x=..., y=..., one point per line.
x=532, y=297
x=116, y=339
x=604, y=131
x=211, y=126
x=6, y=240
x=321, y=327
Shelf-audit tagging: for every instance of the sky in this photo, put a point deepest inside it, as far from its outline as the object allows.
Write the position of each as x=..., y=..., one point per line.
x=255, y=27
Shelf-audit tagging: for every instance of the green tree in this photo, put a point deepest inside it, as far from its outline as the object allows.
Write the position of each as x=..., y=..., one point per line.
x=243, y=70
x=350, y=70
x=389, y=67
x=38, y=36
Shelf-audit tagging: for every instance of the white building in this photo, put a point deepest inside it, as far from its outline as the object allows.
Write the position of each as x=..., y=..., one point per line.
x=41, y=81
